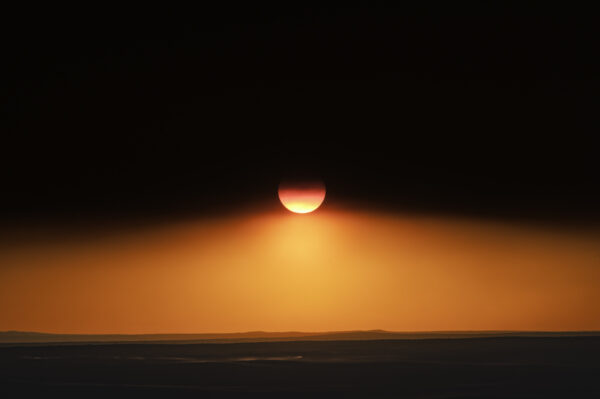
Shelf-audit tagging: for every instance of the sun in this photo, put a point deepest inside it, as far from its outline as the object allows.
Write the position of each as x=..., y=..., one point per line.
x=301, y=196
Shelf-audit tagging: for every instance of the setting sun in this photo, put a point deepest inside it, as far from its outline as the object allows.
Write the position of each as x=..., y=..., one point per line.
x=302, y=197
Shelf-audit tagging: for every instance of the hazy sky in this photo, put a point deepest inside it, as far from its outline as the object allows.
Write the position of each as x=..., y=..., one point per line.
x=489, y=120
x=329, y=270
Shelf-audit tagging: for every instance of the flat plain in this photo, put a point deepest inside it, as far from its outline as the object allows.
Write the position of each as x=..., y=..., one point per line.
x=490, y=367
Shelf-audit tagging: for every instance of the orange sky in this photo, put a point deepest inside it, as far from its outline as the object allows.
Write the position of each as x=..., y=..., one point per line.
x=328, y=270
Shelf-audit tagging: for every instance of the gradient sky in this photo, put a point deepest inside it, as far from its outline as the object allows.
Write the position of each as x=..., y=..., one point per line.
x=329, y=270
x=185, y=128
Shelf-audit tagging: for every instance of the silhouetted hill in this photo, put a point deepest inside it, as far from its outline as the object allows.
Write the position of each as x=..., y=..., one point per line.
x=17, y=337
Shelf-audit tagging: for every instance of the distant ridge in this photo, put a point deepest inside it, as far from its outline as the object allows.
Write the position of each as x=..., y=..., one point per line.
x=25, y=337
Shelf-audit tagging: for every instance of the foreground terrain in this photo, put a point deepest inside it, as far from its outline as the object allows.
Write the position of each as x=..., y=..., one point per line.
x=519, y=367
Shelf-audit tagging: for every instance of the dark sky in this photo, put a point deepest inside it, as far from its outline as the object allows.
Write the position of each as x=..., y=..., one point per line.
x=149, y=113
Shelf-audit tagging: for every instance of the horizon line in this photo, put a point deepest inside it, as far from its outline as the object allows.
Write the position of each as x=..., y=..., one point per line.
x=303, y=332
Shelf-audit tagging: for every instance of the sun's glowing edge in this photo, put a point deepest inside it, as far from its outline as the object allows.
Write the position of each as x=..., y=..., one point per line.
x=301, y=207
x=301, y=202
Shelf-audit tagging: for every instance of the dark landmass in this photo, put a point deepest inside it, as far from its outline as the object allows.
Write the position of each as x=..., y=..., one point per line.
x=490, y=367
x=26, y=337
